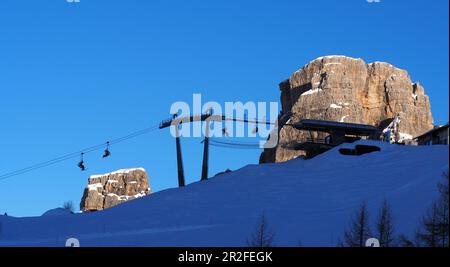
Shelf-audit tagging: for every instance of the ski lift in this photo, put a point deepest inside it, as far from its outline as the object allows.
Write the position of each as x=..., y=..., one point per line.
x=255, y=130
x=81, y=163
x=225, y=132
x=107, y=153
x=209, y=111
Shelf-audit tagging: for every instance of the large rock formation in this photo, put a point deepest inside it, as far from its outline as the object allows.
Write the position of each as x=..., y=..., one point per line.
x=345, y=89
x=107, y=190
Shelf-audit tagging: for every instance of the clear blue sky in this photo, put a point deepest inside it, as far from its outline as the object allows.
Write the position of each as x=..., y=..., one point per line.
x=76, y=75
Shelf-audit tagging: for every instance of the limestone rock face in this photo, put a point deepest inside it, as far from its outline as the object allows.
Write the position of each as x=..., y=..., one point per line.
x=345, y=89
x=107, y=190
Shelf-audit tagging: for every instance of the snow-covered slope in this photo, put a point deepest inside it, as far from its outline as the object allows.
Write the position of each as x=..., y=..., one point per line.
x=304, y=201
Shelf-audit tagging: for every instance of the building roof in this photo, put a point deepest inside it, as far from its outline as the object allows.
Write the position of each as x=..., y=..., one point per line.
x=328, y=126
x=439, y=128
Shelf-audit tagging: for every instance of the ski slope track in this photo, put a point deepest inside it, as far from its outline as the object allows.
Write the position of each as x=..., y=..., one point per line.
x=305, y=201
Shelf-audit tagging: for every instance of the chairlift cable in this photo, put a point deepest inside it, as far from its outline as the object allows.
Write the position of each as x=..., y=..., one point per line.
x=233, y=147
x=240, y=143
x=77, y=154
x=125, y=138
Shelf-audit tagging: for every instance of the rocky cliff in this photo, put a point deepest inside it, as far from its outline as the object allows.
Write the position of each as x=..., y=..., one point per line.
x=345, y=89
x=107, y=190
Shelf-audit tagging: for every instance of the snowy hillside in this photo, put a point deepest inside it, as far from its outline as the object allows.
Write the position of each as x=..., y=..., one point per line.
x=304, y=201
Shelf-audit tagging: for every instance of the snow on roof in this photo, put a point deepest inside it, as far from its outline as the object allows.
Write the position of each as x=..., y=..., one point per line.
x=405, y=136
x=117, y=172
x=436, y=128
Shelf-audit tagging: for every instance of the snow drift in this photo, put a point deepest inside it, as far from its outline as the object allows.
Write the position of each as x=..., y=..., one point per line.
x=304, y=201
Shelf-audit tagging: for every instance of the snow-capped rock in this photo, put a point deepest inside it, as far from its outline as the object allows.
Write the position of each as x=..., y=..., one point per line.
x=110, y=189
x=372, y=93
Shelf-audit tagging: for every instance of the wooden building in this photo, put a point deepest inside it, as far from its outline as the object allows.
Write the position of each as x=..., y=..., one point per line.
x=336, y=134
x=436, y=136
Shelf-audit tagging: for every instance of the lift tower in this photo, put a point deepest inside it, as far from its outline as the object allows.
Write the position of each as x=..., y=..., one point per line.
x=207, y=117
